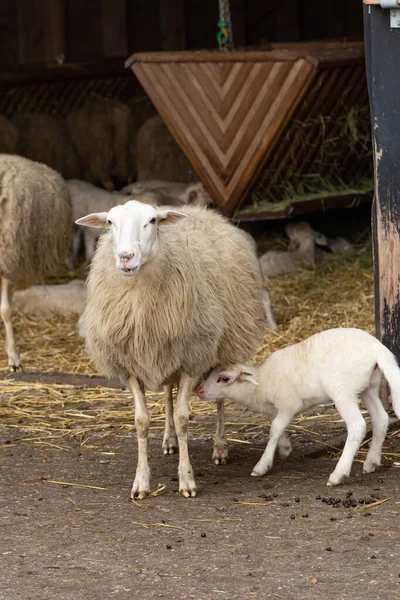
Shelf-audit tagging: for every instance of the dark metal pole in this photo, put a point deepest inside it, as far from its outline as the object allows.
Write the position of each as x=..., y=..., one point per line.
x=382, y=53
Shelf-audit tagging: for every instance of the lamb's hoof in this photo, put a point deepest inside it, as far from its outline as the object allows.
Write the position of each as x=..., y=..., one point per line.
x=140, y=495
x=220, y=453
x=331, y=484
x=370, y=467
x=255, y=474
x=15, y=368
x=188, y=493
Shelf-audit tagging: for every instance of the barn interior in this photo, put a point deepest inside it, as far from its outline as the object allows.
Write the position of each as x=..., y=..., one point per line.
x=62, y=66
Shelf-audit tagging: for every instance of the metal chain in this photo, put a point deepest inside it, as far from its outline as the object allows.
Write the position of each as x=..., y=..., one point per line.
x=225, y=24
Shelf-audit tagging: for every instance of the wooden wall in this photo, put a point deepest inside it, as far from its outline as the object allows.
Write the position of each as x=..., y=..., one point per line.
x=36, y=31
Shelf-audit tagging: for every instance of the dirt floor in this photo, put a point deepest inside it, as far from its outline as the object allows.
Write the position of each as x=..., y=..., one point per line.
x=68, y=455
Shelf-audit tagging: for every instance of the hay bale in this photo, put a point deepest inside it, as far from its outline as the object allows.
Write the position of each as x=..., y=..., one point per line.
x=101, y=131
x=8, y=136
x=158, y=156
x=45, y=139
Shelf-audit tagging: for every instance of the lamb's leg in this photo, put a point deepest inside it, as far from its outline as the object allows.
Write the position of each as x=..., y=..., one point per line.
x=76, y=244
x=347, y=405
x=268, y=310
x=6, y=314
x=379, y=421
x=141, y=484
x=187, y=484
x=220, y=453
x=170, y=441
x=277, y=430
x=284, y=445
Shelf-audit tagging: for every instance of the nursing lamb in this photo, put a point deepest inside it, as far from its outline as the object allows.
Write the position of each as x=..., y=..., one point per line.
x=337, y=365
x=169, y=295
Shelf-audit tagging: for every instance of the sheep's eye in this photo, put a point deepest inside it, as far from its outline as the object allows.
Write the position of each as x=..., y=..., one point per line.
x=108, y=222
x=223, y=379
x=153, y=221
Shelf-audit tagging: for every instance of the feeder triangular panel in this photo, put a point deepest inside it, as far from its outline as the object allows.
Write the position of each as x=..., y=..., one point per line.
x=225, y=113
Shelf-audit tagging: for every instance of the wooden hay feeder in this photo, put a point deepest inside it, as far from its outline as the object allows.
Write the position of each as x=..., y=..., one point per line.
x=236, y=114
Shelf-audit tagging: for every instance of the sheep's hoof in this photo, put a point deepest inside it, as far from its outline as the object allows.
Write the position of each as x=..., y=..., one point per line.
x=15, y=368
x=188, y=493
x=255, y=474
x=331, y=484
x=170, y=446
x=140, y=495
x=220, y=453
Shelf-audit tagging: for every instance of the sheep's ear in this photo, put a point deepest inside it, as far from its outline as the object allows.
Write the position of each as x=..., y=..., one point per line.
x=249, y=377
x=167, y=217
x=93, y=220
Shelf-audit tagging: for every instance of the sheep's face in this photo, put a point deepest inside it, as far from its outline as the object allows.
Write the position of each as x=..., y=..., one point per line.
x=134, y=232
x=220, y=382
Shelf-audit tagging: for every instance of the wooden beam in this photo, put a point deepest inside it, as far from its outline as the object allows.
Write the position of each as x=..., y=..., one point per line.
x=382, y=53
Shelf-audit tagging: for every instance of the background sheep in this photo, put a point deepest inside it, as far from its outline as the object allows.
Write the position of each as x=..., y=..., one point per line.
x=8, y=136
x=168, y=193
x=170, y=300
x=301, y=251
x=35, y=231
x=45, y=139
x=47, y=300
x=87, y=198
x=101, y=131
x=158, y=156
x=336, y=365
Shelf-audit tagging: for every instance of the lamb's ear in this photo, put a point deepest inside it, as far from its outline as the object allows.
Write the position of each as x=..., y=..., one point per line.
x=249, y=377
x=167, y=216
x=93, y=220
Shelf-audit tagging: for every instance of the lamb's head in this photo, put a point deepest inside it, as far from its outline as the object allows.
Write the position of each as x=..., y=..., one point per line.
x=220, y=382
x=133, y=228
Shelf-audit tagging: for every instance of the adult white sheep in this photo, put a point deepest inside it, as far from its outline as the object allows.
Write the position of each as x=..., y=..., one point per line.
x=336, y=365
x=169, y=293
x=35, y=230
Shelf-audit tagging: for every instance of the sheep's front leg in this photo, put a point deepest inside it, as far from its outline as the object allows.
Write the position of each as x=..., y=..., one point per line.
x=220, y=453
x=276, y=432
x=187, y=484
x=6, y=314
x=170, y=441
x=141, y=484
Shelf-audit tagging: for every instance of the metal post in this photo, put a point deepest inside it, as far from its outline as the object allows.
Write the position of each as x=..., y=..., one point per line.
x=382, y=51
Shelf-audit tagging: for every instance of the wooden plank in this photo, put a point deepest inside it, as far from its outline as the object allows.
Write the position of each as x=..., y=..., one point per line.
x=384, y=89
x=115, y=40
x=84, y=30
x=143, y=25
x=9, y=34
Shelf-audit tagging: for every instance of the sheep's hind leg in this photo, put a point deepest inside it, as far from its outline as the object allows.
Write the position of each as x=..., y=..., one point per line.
x=220, y=453
x=187, y=484
x=141, y=484
x=347, y=405
x=170, y=441
x=6, y=314
x=380, y=421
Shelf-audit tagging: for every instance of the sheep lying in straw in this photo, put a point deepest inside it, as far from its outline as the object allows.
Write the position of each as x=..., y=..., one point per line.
x=87, y=198
x=45, y=139
x=47, y=300
x=158, y=156
x=336, y=365
x=101, y=131
x=301, y=251
x=170, y=193
x=169, y=294
x=35, y=230
x=8, y=136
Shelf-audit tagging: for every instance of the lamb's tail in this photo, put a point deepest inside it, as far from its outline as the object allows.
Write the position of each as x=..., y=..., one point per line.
x=388, y=365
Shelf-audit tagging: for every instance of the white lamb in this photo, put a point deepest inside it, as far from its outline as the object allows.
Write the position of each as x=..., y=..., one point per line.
x=170, y=295
x=47, y=300
x=338, y=365
x=168, y=192
x=87, y=198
